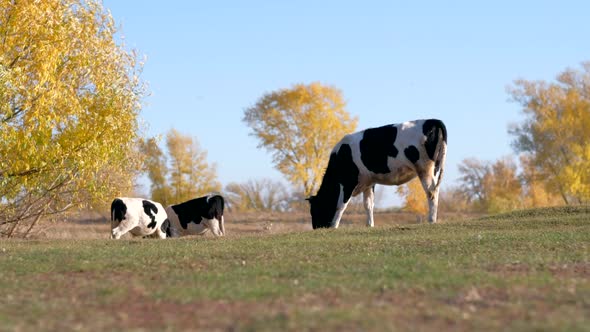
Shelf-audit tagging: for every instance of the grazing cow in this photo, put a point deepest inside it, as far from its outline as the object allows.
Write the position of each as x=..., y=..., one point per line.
x=198, y=215
x=140, y=217
x=389, y=155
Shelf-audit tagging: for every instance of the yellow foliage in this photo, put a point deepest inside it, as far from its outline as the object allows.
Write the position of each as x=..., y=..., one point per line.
x=491, y=187
x=69, y=101
x=536, y=193
x=504, y=190
x=556, y=131
x=190, y=174
x=182, y=174
x=300, y=126
x=155, y=165
x=414, y=196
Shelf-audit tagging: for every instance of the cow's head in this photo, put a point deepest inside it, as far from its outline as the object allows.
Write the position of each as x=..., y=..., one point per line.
x=322, y=212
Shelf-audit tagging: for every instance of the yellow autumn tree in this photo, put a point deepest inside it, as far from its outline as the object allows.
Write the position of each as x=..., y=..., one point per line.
x=505, y=191
x=190, y=175
x=491, y=187
x=181, y=171
x=300, y=126
x=414, y=197
x=156, y=168
x=536, y=194
x=555, y=134
x=453, y=199
x=69, y=101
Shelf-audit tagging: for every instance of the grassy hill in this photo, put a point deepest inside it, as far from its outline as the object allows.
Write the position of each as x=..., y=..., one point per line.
x=524, y=270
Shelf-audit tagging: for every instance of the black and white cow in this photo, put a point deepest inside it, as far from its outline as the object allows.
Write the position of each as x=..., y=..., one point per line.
x=389, y=155
x=197, y=216
x=138, y=216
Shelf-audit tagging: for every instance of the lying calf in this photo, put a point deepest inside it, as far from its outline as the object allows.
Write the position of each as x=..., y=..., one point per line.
x=197, y=216
x=138, y=216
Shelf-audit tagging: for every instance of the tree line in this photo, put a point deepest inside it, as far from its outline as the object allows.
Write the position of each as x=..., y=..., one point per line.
x=71, y=137
x=552, y=145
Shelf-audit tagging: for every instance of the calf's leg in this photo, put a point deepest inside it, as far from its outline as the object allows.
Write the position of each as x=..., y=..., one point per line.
x=197, y=229
x=213, y=225
x=161, y=234
x=342, y=203
x=431, y=190
x=222, y=226
x=123, y=228
x=369, y=203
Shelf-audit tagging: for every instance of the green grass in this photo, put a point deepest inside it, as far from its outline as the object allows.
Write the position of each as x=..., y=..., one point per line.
x=526, y=270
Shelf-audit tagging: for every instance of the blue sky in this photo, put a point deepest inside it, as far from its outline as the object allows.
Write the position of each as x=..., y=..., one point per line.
x=206, y=61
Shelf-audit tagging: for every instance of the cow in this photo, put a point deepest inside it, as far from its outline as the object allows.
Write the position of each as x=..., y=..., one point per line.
x=389, y=155
x=198, y=215
x=138, y=216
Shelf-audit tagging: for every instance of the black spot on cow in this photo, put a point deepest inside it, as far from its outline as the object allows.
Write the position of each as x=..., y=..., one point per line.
x=376, y=146
x=169, y=229
x=208, y=207
x=118, y=210
x=341, y=171
x=348, y=172
x=412, y=154
x=431, y=129
x=151, y=210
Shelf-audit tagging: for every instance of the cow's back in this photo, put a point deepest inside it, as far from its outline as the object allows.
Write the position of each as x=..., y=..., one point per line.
x=390, y=154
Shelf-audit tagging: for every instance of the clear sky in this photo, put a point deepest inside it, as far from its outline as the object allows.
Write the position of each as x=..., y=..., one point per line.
x=206, y=61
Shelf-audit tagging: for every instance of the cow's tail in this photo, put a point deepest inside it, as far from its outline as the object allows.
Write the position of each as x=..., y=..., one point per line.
x=441, y=153
x=118, y=210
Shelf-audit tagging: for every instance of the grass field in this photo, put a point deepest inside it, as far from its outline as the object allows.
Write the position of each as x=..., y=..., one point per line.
x=527, y=270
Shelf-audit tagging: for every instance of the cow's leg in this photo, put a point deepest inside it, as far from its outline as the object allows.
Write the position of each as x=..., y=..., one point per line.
x=369, y=203
x=338, y=215
x=222, y=226
x=161, y=234
x=123, y=228
x=197, y=229
x=114, y=224
x=213, y=225
x=342, y=203
x=431, y=190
